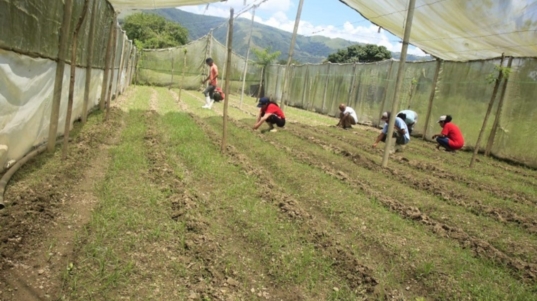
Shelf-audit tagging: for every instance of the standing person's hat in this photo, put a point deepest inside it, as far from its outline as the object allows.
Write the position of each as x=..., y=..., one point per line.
x=442, y=118
x=263, y=101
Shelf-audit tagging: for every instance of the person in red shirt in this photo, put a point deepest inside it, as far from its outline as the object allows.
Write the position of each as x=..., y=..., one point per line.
x=212, y=78
x=451, y=137
x=269, y=112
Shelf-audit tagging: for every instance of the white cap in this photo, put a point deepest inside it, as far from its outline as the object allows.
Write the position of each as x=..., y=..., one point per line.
x=442, y=118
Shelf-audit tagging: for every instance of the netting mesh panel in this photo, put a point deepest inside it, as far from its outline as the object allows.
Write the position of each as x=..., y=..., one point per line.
x=515, y=137
x=464, y=93
x=155, y=66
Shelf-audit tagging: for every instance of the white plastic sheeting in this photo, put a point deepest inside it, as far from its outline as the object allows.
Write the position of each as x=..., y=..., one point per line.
x=460, y=30
x=26, y=89
x=140, y=4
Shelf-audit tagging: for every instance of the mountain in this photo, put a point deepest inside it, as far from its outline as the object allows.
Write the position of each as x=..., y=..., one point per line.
x=312, y=49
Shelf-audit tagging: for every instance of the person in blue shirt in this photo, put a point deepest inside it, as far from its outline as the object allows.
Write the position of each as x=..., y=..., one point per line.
x=410, y=117
x=400, y=132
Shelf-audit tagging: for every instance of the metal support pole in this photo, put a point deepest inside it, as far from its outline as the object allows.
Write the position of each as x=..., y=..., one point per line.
x=247, y=56
x=183, y=76
x=290, y=55
x=89, y=62
x=120, y=67
x=437, y=72
x=226, y=85
x=398, y=81
x=487, y=114
x=58, y=81
x=496, y=123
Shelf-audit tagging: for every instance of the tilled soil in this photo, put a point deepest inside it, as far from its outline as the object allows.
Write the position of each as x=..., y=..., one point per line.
x=421, y=228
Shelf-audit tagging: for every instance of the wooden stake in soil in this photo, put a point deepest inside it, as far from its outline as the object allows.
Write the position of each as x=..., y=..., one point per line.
x=112, y=65
x=494, y=129
x=89, y=62
x=487, y=114
x=183, y=76
x=386, y=91
x=120, y=68
x=290, y=55
x=247, y=56
x=228, y=74
x=323, y=107
x=431, y=97
x=104, y=87
x=171, y=79
x=399, y=80
x=58, y=81
x=72, y=80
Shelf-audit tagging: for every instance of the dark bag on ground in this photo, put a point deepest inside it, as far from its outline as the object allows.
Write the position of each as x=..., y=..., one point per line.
x=218, y=94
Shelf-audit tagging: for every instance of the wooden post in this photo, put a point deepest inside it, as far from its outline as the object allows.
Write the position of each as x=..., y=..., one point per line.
x=304, y=88
x=228, y=74
x=183, y=77
x=437, y=72
x=171, y=80
x=494, y=129
x=72, y=80
x=89, y=62
x=112, y=67
x=58, y=81
x=383, y=102
x=120, y=67
x=260, y=83
x=247, y=56
x=398, y=82
x=489, y=108
x=290, y=55
x=351, y=87
x=107, y=65
x=326, y=88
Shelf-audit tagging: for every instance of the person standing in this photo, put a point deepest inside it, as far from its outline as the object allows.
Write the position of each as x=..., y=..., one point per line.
x=212, y=78
x=451, y=136
x=400, y=132
x=347, y=117
x=410, y=117
x=271, y=113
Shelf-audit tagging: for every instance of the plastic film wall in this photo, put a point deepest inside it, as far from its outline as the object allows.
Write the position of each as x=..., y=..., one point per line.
x=463, y=90
x=29, y=48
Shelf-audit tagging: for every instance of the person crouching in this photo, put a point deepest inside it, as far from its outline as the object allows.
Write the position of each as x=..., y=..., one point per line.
x=271, y=113
x=400, y=132
x=451, y=136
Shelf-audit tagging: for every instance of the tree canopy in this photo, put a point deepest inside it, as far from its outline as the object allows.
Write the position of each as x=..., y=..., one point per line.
x=360, y=53
x=264, y=56
x=153, y=31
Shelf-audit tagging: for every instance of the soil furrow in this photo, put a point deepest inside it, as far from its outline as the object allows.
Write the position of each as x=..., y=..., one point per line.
x=433, y=169
x=527, y=271
x=457, y=198
x=357, y=275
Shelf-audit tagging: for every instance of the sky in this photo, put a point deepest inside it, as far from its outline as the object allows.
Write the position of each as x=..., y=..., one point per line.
x=330, y=18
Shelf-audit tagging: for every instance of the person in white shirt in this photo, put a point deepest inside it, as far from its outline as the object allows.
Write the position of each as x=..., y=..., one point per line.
x=410, y=117
x=347, y=117
x=400, y=132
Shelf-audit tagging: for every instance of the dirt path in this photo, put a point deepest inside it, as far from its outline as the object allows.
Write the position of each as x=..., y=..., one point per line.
x=47, y=216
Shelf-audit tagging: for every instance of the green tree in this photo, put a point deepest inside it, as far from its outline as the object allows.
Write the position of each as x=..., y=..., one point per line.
x=153, y=31
x=360, y=53
x=264, y=58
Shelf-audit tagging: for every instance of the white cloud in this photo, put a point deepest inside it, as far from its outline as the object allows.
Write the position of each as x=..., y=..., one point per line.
x=274, y=13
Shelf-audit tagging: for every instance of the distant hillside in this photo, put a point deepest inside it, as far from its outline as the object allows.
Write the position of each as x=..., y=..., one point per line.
x=314, y=49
